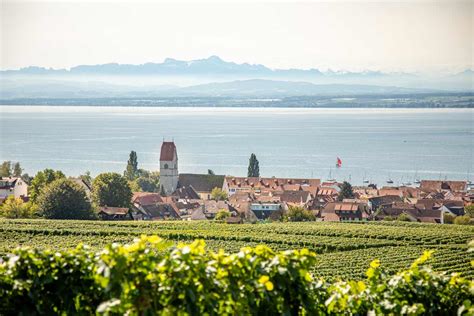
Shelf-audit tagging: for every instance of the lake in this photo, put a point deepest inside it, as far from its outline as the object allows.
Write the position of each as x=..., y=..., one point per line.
x=374, y=144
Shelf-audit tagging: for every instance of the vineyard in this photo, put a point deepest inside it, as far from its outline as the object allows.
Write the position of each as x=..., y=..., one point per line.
x=343, y=250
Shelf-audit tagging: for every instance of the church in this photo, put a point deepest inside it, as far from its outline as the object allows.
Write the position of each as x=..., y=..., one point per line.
x=168, y=168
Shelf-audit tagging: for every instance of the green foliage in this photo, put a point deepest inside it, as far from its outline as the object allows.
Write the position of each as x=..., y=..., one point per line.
x=64, y=199
x=147, y=181
x=210, y=172
x=469, y=210
x=131, y=172
x=16, y=208
x=222, y=215
x=299, y=214
x=86, y=177
x=17, y=170
x=111, y=189
x=41, y=180
x=218, y=194
x=448, y=218
x=254, y=168
x=463, y=220
x=403, y=218
x=346, y=191
x=6, y=169
x=150, y=277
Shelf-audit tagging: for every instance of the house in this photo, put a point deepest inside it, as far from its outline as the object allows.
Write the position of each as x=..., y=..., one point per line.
x=296, y=198
x=152, y=206
x=258, y=185
x=13, y=186
x=344, y=212
x=211, y=207
x=439, y=185
x=412, y=213
x=203, y=184
x=378, y=201
x=186, y=193
x=115, y=213
x=265, y=209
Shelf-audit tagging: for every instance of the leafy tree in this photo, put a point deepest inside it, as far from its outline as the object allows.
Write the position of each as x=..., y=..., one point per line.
x=218, y=194
x=148, y=181
x=134, y=186
x=17, y=170
x=448, y=218
x=131, y=172
x=17, y=208
x=469, y=210
x=222, y=215
x=86, y=177
x=346, y=191
x=111, y=189
x=26, y=178
x=6, y=169
x=254, y=168
x=64, y=199
x=403, y=218
x=462, y=220
x=147, y=184
x=41, y=180
x=210, y=172
x=299, y=214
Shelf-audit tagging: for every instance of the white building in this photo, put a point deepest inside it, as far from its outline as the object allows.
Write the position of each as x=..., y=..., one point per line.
x=168, y=168
x=12, y=186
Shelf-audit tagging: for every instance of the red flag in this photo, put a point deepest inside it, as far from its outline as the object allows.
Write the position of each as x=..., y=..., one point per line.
x=339, y=162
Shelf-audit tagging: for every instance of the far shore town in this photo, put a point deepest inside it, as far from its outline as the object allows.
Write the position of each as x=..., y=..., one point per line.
x=254, y=198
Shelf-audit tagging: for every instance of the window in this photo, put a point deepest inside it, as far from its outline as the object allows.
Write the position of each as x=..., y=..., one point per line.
x=166, y=166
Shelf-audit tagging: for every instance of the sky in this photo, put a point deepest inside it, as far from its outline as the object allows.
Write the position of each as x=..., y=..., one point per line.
x=409, y=36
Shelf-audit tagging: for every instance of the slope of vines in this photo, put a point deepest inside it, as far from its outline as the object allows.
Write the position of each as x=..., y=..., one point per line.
x=344, y=249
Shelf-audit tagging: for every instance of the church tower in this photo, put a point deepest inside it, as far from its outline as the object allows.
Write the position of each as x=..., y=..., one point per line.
x=168, y=168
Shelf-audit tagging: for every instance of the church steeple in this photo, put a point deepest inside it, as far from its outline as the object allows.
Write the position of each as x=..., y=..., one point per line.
x=168, y=168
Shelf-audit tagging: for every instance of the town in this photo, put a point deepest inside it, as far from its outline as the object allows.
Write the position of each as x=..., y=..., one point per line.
x=171, y=195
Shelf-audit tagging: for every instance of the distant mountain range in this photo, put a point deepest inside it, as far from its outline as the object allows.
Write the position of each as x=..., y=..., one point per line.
x=215, y=77
x=209, y=66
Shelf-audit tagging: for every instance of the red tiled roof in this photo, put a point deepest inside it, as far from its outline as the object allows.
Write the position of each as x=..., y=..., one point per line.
x=113, y=210
x=146, y=198
x=346, y=207
x=168, y=151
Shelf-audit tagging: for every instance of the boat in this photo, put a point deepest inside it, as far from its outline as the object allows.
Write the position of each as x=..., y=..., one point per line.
x=390, y=181
x=330, y=178
x=338, y=162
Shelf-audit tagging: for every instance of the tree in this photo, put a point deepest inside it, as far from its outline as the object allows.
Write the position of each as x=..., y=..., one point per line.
x=41, y=180
x=346, y=191
x=6, y=169
x=64, y=199
x=403, y=218
x=469, y=210
x=26, y=177
x=210, y=172
x=16, y=208
x=17, y=170
x=86, y=177
x=218, y=194
x=254, y=168
x=299, y=214
x=222, y=215
x=448, y=218
x=111, y=189
x=462, y=220
x=148, y=181
x=131, y=172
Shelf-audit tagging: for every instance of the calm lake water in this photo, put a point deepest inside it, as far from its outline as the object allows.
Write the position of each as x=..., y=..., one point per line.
x=374, y=144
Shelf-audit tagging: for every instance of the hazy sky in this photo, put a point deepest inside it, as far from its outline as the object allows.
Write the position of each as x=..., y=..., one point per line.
x=394, y=36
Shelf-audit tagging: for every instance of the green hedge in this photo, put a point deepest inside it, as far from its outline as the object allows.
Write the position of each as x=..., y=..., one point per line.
x=151, y=276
